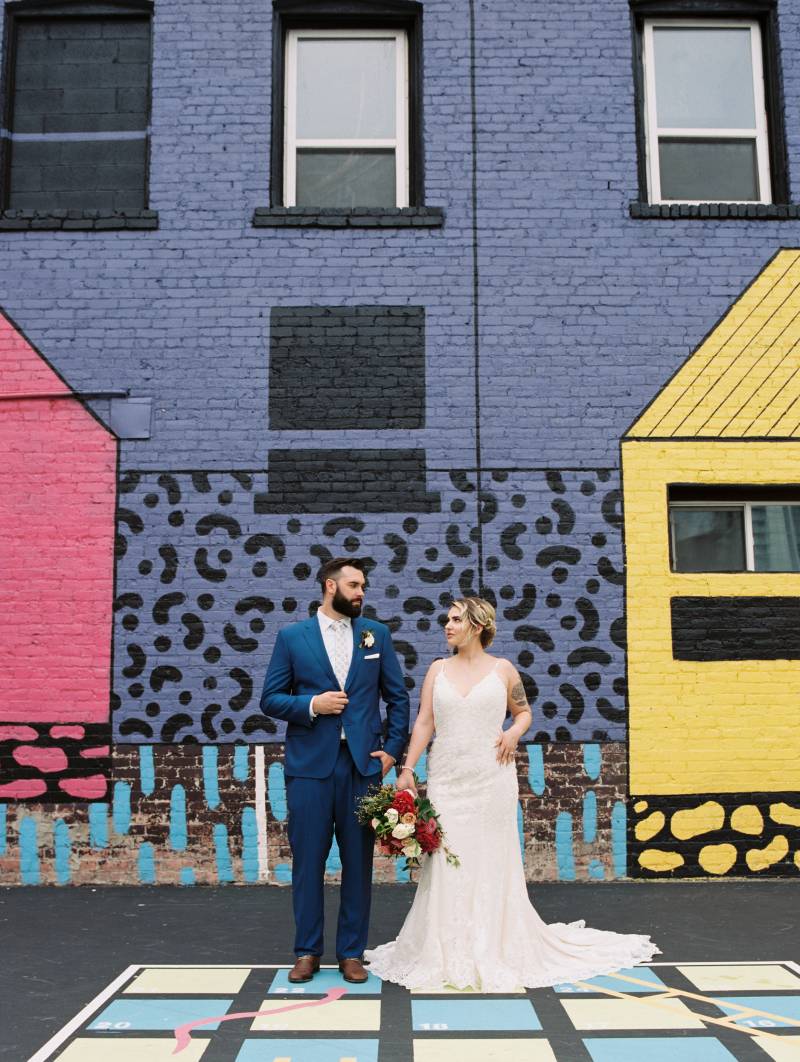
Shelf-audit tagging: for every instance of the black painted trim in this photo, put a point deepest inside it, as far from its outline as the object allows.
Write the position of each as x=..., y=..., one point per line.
x=765, y=12
x=735, y=628
x=714, y=211
x=358, y=218
x=21, y=9
x=349, y=14
x=77, y=220
x=717, y=492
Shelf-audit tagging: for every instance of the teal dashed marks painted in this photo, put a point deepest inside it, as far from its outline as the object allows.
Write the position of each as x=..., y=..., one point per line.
x=592, y=761
x=147, y=864
x=536, y=768
x=187, y=876
x=276, y=788
x=147, y=772
x=28, y=852
x=619, y=847
x=590, y=817
x=333, y=864
x=282, y=873
x=121, y=814
x=565, y=858
x=177, y=819
x=596, y=870
x=521, y=829
x=98, y=825
x=400, y=871
x=211, y=776
x=224, y=865
x=241, y=764
x=422, y=767
x=63, y=850
x=391, y=777
x=3, y=829
x=249, y=845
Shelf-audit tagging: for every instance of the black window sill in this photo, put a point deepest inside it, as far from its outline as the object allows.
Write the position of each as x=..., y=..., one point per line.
x=715, y=211
x=77, y=220
x=350, y=218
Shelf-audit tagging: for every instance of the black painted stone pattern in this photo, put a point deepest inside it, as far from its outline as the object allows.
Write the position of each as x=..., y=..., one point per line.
x=717, y=211
x=85, y=737
x=348, y=218
x=77, y=220
x=735, y=628
x=80, y=75
x=327, y=481
x=347, y=367
x=205, y=579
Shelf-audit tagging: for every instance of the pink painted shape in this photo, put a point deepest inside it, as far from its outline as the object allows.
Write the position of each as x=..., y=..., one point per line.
x=76, y=732
x=182, y=1033
x=91, y=788
x=100, y=750
x=57, y=499
x=27, y=787
x=17, y=733
x=42, y=759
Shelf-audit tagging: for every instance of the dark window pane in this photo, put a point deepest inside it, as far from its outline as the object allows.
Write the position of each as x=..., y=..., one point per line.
x=708, y=540
x=776, y=538
x=724, y=170
x=345, y=178
x=73, y=77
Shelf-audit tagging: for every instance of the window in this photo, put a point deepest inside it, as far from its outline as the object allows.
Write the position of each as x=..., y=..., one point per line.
x=346, y=120
x=705, y=112
x=733, y=536
x=709, y=116
x=77, y=111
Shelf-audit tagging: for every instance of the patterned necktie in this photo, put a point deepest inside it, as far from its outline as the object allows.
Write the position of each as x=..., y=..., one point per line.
x=340, y=635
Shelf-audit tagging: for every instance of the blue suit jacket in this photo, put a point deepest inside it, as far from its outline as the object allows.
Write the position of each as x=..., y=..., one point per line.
x=300, y=669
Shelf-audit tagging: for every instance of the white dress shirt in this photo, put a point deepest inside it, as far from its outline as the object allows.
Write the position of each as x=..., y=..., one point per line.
x=326, y=627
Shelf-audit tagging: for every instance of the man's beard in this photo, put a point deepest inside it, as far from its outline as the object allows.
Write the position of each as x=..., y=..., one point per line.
x=344, y=607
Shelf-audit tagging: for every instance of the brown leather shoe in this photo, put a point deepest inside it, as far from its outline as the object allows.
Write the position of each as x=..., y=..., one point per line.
x=304, y=969
x=353, y=970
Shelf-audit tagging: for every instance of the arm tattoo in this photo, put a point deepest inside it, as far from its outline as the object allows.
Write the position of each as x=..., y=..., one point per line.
x=518, y=695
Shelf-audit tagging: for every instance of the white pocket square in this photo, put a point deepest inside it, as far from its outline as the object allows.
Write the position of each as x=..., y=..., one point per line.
x=371, y=656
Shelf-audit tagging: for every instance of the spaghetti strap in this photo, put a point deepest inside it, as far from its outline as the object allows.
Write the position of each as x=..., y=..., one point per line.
x=441, y=669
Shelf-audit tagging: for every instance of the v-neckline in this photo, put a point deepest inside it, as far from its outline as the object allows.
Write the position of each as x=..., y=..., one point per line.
x=472, y=688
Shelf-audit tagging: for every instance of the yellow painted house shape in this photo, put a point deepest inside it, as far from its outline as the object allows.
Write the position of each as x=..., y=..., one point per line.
x=729, y=417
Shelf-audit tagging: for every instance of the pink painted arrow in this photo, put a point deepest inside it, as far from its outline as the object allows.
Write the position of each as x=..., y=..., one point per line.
x=183, y=1032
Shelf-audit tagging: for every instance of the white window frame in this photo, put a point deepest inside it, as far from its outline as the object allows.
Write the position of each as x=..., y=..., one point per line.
x=399, y=143
x=653, y=133
x=744, y=506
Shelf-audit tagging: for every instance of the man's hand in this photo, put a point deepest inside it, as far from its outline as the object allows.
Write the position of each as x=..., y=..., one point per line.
x=331, y=703
x=387, y=761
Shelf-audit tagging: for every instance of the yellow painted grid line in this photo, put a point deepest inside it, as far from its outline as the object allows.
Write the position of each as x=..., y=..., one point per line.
x=728, y=1022
x=737, y=366
x=700, y=363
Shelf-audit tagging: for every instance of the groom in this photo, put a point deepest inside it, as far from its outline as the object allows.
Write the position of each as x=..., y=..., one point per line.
x=325, y=679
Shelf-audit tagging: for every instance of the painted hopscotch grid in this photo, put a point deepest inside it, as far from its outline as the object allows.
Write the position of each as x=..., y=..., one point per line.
x=699, y=1012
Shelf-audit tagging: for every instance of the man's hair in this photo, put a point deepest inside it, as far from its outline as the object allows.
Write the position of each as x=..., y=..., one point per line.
x=332, y=569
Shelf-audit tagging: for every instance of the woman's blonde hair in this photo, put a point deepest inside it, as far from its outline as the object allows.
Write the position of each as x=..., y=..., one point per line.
x=480, y=616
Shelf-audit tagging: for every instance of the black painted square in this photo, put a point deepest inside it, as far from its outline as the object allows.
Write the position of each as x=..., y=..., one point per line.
x=735, y=628
x=346, y=481
x=334, y=367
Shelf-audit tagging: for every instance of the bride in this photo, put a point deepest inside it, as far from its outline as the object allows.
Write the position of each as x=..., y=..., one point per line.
x=473, y=926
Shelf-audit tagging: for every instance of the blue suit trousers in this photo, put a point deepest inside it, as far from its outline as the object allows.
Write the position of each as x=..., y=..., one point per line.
x=318, y=809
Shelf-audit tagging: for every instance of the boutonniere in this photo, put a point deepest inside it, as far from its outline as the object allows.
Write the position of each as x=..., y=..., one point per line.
x=367, y=639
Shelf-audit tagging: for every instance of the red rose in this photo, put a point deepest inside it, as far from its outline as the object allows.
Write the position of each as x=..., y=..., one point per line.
x=428, y=835
x=403, y=802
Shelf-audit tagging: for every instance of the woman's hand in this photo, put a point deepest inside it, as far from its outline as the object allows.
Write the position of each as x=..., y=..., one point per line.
x=506, y=746
x=405, y=780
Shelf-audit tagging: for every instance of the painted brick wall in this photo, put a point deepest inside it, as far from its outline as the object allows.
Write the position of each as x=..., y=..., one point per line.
x=551, y=318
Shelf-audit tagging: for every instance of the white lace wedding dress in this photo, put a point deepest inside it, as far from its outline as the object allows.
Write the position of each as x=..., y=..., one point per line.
x=473, y=926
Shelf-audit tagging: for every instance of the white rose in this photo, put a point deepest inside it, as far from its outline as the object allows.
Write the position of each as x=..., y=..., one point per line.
x=392, y=815
x=376, y=823
x=412, y=849
x=402, y=830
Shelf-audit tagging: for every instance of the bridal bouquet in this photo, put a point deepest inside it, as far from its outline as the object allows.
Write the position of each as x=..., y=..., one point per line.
x=405, y=825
